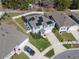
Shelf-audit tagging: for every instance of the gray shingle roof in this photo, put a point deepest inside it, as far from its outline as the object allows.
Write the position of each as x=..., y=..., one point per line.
x=9, y=38
x=76, y=15
x=36, y=18
x=62, y=19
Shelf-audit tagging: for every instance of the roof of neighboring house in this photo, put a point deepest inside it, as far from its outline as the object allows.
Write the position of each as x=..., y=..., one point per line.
x=76, y=15
x=9, y=38
x=62, y=19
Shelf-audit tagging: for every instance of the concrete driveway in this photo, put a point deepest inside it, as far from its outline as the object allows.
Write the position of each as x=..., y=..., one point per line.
x=58, y=48
x=37, y=54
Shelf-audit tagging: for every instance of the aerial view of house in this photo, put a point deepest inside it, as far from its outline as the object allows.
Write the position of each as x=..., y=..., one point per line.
x=38, y=23
x=63, y=21
x=39, y=29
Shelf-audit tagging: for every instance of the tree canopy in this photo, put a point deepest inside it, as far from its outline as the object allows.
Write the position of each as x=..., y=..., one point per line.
x=77, y=4
x=16, y=4
x=62, y=4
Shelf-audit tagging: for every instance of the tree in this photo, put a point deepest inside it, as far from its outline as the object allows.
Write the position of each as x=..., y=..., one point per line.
x=62, y=4
x=16, y=4
x=77, y=2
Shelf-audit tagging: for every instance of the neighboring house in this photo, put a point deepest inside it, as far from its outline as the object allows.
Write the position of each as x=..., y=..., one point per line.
x=10, y=37
x=75, y=16
x=38, y=23
x=63, y=21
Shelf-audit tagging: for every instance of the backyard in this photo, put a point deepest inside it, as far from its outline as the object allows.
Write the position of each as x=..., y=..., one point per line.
x=40, y=43
x=20, y=56
x=50, y=53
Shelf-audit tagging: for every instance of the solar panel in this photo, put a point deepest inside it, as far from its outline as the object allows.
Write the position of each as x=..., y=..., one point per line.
x=38, y=24
x=49, y=22
x=41, y=19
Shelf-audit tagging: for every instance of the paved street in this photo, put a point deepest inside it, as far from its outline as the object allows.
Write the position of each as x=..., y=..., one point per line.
x=9, y=39
x=69, y=54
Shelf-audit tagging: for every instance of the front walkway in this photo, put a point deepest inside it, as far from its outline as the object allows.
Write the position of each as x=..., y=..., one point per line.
x=58, y=48
x=46, y=50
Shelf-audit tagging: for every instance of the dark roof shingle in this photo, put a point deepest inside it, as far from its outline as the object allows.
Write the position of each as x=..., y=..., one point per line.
x=62, y=19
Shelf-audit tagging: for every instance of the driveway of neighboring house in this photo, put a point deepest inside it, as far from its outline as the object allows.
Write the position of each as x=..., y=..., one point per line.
x=37, y=54
x=58, y=48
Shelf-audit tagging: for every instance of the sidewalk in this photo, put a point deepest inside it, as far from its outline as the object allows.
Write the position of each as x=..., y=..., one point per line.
x=46, y=50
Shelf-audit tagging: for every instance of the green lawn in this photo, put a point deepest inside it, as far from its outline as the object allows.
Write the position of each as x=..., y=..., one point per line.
x=5, y=19
x=67, y=46
x=20, y=56
x=68, y=36
x=8, y=20
x=39, y=43
x=57, y=34
x=21, y=22
x=50, y=53
x=71, y=45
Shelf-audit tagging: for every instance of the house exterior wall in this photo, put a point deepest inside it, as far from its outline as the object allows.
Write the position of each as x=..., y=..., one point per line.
x=63, y=29
x=47, y=28
x=36, y=30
